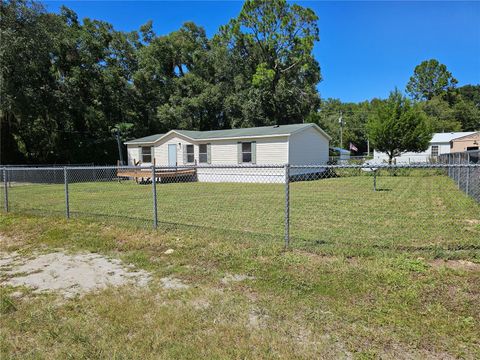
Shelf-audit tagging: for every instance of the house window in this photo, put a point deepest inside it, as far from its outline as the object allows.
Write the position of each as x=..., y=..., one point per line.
x=203, y=153
x=146, y=154
x=190, y=154
x=434, y=150
x=247, y=152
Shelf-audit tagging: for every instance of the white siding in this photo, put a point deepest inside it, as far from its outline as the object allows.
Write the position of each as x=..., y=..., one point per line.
x=413, y=157
x=133, y=154
x=161, y=149
x=242, y=175
x=308, y=147
x=270, y=151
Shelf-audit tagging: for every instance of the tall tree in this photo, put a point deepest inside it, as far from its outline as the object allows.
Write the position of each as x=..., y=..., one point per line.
x=396, y=126
x=270, y=45
x=430, y=79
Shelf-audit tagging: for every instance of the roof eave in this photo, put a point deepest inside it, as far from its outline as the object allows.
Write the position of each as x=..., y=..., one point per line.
x=316, y=127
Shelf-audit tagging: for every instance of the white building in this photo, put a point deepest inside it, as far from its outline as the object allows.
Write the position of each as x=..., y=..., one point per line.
x=299, y=144
x=440, y=144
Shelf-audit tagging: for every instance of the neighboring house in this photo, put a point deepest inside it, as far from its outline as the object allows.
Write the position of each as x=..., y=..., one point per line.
x=299, y=144
x=466, y=143
x=342, y=155
x=440, y=144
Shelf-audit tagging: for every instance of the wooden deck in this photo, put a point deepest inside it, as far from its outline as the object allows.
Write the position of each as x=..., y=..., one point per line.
x=160, y=174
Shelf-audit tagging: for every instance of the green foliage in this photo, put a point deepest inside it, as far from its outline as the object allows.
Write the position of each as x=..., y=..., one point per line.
x=354, y=118
x=6, y=304
x=441, y=115
x=468, y=114
x=396, y=126
x=66, y=83
x=430, y=79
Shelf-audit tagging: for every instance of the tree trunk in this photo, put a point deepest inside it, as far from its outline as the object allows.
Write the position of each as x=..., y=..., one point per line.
x=390, y=158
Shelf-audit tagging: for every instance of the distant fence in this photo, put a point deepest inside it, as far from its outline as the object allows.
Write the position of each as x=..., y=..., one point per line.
x=44, y=174
x=466, y=178
x=304, y=202
x=466, y=157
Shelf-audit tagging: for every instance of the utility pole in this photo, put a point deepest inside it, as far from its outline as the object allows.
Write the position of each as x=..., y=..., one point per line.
x=340, y=121
x=120, y=154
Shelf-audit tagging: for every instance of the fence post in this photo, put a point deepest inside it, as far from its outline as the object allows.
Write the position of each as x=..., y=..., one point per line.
x=468, y=175
x=67, y=199
x=5, y=185
x=458, y=170
x=287, y=205
x=374, y=180
x=154, y=195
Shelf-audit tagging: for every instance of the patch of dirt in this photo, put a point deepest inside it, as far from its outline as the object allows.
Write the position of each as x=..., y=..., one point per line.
x=6, y=259
x=472, y=221
x=6, y=241
x=229, y=278
x=69, y=275
x=455, y=264
x=172, y=283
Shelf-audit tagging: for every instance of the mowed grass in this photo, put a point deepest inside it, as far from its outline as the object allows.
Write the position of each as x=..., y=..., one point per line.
x=423, y=211
x=364, y=277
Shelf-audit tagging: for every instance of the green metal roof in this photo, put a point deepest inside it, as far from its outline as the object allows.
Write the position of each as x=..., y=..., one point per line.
x=232, y=133
x=146, y=139
x=244, y=132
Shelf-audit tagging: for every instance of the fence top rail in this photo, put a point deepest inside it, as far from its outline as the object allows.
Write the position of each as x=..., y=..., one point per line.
x=387, y=166
x=149, y=167
x=33, y=166
x=461, y=152
x=240, y=166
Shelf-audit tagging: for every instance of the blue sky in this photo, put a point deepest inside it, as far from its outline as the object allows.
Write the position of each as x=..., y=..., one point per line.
x=365, y=49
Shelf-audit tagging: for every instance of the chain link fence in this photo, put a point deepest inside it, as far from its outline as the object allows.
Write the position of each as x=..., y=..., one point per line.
x=466, y=178
x=312, y=205
x=386, y=207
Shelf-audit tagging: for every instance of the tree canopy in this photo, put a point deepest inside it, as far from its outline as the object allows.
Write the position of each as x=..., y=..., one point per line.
x=430, y=78
x=67, y=83
x=397, y=126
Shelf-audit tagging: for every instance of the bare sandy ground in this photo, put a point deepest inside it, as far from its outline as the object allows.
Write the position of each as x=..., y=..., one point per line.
x=69, y=275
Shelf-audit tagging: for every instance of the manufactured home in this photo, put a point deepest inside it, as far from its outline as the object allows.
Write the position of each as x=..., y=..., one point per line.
x=245, y=148
x=440, y=144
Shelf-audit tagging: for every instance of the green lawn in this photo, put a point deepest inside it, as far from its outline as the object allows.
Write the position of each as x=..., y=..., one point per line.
x=366, y=274
x=422, y=211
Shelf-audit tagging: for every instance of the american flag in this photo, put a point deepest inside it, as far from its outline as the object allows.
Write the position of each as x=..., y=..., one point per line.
x=352, y=147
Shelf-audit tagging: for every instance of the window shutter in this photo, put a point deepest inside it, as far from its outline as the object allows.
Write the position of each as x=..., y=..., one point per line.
x=152, y=154
x=209, y=153
x=254, y=152
x=239, y=152
x=140, y=157
x=184, y=148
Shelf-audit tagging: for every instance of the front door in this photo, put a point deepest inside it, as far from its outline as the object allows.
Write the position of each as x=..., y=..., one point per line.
x=172, y=154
